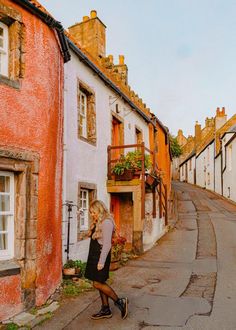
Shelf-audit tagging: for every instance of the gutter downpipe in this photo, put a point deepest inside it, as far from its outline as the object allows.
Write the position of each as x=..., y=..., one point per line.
x=52, y=23
x=85, y=59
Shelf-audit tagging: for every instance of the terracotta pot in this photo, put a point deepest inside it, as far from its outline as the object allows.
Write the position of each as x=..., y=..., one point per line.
x=126, y=176
x=69, y=271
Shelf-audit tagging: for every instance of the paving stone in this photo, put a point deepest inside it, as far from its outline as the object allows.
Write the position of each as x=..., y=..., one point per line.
x=23, y=318
x=51, y=308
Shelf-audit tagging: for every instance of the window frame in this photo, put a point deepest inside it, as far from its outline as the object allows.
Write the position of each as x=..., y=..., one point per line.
x=9, y=252
x=84, y=116
x=4, y=51
x=85, y=214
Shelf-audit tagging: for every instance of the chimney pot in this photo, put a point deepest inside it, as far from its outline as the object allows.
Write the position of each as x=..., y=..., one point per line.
x=110, y=58
x=93, y=14
x=121, y=60
x=85, y=18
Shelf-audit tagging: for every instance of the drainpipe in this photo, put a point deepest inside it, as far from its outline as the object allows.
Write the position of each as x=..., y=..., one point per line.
x=52, y=23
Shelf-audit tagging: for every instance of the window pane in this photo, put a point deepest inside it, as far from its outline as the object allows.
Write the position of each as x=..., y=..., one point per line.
x=1, y=32
x=1, y=43
x=3, y=241
x=4, y=184
x=4, y=203
x=3, y=222
x=82, y=220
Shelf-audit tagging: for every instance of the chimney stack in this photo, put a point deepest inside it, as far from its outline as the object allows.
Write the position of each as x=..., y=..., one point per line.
x=198, y=133
x=122, y=69
x=220, y=118
x=91, y=35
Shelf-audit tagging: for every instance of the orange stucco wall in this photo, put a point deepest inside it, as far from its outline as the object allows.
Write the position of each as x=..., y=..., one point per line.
x=10, y=298
x=31, y=119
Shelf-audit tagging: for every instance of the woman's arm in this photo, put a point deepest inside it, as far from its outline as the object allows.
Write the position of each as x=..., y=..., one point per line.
x=107, y=230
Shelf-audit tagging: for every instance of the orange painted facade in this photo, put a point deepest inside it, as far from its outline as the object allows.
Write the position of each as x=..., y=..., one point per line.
x=31, y=120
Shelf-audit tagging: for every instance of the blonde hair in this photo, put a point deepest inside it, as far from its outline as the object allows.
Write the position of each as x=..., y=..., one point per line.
x=100, y=208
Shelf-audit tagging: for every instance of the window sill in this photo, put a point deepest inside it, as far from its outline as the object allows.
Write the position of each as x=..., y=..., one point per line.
x=88, y=141
x=12, y=83
x=9, y=268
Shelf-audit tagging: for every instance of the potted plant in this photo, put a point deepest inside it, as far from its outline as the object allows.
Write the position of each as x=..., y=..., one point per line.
x=118, y=244
x=127, y=165
x=79, y=267
x=69, y=268
x=152, y=179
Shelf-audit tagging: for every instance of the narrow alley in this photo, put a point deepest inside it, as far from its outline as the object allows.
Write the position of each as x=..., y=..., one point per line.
x=187, y=281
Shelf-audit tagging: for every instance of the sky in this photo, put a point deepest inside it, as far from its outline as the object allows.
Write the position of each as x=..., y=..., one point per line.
x=181, y=54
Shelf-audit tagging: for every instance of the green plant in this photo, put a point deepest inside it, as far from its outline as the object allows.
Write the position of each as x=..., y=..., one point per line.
x=69, y=264
x=81, y=265
x=12, y=326
x=175, y=148
x=132, y=161
x=74, y=288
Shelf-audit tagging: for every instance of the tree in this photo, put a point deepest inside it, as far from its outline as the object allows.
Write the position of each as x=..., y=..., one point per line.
x=175, y=148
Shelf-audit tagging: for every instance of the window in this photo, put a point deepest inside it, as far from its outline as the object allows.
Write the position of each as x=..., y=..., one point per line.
x=86, y=113
x=6, y=215
x=83, y=114
x=4, y=52
x=190, y=164
x=84, y=205
x=87, y=192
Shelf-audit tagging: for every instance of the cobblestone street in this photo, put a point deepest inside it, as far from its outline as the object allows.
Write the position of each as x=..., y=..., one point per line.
x=187, y=281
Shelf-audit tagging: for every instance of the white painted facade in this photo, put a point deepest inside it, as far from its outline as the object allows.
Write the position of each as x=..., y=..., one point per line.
x=205, y=167
x=229, y=168
x=84, y=162
x=218, y=174
x=187, y=170
x=191, y=169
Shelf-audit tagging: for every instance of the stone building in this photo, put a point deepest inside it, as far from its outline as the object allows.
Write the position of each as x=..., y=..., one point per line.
x=103, y=116
x=33, y=49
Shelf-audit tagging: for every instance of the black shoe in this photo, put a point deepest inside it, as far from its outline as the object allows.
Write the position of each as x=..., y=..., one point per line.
x=122, y=304
x=104, y=313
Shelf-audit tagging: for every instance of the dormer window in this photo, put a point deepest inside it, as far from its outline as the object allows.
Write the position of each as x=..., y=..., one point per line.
x=4, y=50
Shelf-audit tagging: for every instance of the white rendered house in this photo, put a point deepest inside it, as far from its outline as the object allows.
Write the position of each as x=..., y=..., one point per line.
x=99, y=114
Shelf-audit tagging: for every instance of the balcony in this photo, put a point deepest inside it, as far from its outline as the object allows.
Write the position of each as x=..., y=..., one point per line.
x=138, y=181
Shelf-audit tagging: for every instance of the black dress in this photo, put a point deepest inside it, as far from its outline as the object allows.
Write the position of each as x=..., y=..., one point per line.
x=91, y=271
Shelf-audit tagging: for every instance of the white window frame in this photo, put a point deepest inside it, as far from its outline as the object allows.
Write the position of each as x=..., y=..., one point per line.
x=9, y=252
x=4, y=51
x=83, y=114
x=84, y=205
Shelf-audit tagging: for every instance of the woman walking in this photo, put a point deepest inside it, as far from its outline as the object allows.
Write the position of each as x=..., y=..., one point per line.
x=99, y=258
